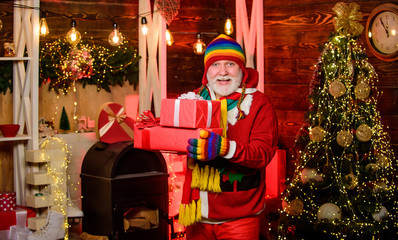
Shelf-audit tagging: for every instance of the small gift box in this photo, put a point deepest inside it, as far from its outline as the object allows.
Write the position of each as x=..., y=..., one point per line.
x=113, y=125
x=189, y=113
x=7, y=201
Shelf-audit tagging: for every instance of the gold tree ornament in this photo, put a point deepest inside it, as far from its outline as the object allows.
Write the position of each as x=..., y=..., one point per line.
x=382, y=161
x=337, y=88
x=362, y=90
x=347, y=19
x=317, y=134
x=296, y=207
x=350, y=181
x=363, y=133
x=344, y=138
x=329, y=211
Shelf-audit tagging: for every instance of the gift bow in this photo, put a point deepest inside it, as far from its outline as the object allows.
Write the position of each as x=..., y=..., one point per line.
x=147, y=119
x=119, y=118
x=346, y=21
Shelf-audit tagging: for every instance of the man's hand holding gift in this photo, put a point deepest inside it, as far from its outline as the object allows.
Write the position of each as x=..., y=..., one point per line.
x=208, y=146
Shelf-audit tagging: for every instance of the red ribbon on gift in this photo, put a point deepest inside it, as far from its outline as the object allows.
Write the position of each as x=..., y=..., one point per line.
x=147, y=119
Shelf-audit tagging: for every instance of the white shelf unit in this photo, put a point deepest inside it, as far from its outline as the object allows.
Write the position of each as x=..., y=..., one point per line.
x=25, y=88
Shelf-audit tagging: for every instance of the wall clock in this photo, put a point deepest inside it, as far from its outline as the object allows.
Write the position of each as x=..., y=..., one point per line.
x=382, y=32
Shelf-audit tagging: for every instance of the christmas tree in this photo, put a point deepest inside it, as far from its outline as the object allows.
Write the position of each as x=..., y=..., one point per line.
x=344, y=185
x=64, y=121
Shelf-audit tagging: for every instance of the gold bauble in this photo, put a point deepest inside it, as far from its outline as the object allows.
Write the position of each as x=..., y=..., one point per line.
x=296, y=207
x=350, y=181
x=337, y=88
x=382, y=161
x=362, y=91
x=344, y=138
x=363, y=133
x=317, y=134
x=371, y=168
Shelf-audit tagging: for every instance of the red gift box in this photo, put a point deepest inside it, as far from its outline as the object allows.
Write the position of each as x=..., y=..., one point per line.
x=19, y=217
x=166, y=138
x=113, y=125
x=7, y=201
x=276, y=174
x=189, y=113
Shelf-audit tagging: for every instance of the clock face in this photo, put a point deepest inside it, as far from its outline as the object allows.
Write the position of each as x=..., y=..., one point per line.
x=383, y=32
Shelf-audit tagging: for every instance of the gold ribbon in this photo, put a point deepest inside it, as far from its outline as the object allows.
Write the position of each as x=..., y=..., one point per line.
x=346, y=21
x=119, y=118
x=224, y=116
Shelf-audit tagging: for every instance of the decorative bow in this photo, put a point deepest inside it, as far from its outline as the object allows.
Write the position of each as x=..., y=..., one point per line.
x=147, y=119
x=112, y=117
x=346, y=21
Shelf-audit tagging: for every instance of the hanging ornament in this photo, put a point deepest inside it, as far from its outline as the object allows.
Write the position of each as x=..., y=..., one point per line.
x=380, y=215
x=344, y=138
x=363, y=133
x=379, y=187
x=337, y=88
x=382, y=161
x=362, y=91
x=310, y=174
x=350, y=181
x=168, y=9
x=317, y=134
x=371, y=168
x=329, y=211
x=296, y=207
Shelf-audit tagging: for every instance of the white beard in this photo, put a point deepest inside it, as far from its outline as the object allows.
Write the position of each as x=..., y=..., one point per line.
x=225, y=90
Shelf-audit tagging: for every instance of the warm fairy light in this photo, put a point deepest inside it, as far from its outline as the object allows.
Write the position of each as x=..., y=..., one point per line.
x=115, y=38
x=228, y=27
x=144, y=27
x=199, y=47
x=56, y=155
x=73, y=37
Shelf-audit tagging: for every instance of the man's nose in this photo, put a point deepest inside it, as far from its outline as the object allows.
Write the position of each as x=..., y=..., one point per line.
x=223, y=70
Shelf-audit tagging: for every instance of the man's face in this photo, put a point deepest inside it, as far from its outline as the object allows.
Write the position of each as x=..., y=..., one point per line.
x=224, y=77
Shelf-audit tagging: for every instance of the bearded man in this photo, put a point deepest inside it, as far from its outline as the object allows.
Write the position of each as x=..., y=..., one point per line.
x=224, y=189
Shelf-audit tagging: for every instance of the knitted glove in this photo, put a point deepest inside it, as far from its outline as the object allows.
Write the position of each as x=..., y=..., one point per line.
x=208, y=146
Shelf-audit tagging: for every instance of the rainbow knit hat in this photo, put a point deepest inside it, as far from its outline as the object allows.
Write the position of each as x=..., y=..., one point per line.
x=223, y=48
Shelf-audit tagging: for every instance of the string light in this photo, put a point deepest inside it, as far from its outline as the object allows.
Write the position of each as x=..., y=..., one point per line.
x=144, y=27
x=169, y=36
x=199, y=47
x=73, y=37
x=115, y=38
x=44, y=31
x=228, y=27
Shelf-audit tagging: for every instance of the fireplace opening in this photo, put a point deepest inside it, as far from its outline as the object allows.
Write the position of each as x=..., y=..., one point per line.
x=125, y=192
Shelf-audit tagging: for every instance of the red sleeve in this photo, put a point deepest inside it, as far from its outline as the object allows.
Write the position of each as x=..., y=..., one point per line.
x=256, y=136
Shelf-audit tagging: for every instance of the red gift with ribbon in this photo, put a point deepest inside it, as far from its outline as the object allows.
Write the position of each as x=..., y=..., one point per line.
x=7, y=201
x=149, y=135
x=190, y=113
x=113, y=125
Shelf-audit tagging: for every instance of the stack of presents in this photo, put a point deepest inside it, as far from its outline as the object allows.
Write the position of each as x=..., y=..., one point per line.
x=13, y=218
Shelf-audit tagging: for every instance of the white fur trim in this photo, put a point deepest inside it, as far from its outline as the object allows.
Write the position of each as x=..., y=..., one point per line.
x=232, y=149
x=244, y=106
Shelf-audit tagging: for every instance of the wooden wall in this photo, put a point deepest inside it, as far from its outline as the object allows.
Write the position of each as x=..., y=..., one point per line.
x=293, y=32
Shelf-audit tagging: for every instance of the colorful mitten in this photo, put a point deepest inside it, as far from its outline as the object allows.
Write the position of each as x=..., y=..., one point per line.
x=208, y=146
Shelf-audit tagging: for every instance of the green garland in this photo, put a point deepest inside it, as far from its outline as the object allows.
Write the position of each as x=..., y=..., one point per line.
x=61, y=65
x=5, y=76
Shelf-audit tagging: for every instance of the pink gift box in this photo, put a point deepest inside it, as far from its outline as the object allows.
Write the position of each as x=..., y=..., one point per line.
x=166, y=138
x=189, y=113
x=7, y=201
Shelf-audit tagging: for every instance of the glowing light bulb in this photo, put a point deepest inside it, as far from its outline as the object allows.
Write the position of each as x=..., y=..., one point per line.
x=144, y=27
x=199, y=47
x=43, y=27
x=115, y=38
x=228, y=27
x=169, y=37
x=73, y=37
